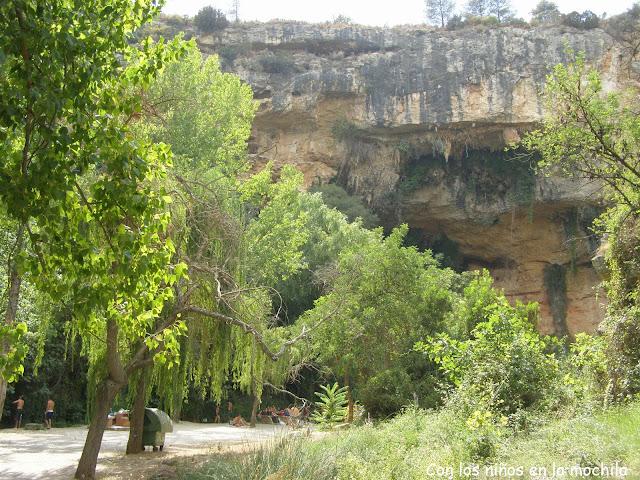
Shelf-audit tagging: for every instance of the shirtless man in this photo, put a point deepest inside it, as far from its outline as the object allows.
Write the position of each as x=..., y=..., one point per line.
x=19, y=403
x=48, y=414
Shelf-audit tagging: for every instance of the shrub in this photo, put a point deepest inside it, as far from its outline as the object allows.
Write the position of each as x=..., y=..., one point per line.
x=456, y=22
x=386, y=393
x=228, y=53
x=210, y=20
x=344, y=130
x=587, y=365
x=485, y=21
x=504, y=367
x=278, y=64
x=331, y=409
x=341, y=19
x=517, y=22
x=586, y=20
x=177, y=21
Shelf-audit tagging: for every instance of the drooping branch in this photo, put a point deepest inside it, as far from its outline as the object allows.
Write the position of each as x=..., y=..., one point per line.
x=247, y=328
x=287, y=392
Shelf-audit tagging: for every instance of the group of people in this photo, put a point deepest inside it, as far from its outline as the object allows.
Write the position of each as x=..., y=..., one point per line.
x=289, y=415
x=48, y=413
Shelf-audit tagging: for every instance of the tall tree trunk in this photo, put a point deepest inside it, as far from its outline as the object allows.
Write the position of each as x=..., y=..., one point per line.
x=14, y=281
x=136, y=418
x=3, y=393
x=254, y=410
x=106, y=394
x=349, y=398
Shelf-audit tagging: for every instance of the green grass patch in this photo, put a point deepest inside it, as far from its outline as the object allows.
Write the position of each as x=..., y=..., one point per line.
x=414, y=443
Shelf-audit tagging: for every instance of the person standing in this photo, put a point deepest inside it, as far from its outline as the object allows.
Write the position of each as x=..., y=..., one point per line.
x=19, y=403
x=217, y=419
x=48, y=414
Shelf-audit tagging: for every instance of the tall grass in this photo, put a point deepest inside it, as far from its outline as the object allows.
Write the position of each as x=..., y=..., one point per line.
x=409, y=446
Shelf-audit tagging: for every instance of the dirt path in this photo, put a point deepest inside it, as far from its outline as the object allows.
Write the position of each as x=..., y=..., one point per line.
x=53, y=454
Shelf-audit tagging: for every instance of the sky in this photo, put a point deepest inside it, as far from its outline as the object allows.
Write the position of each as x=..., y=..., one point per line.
x=368, y=12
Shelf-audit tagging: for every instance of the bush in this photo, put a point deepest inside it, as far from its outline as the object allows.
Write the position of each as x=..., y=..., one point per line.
x=210, y=20
x=504, y=367
x=331, y=408
x=176, y=21
x=341, y=19
x=228, y=53
x=457, y=22
x=587, y=365
x=586, y=20
x=517, y=22
x=278, y=64
x=344, y=130
x=386, y=393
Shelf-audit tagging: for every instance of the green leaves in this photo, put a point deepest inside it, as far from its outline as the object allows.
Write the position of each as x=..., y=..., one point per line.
x=71, y=167
x=594, y=133
x=590, y=132
x=505, y=364
x=331, y=408
x=12, y=337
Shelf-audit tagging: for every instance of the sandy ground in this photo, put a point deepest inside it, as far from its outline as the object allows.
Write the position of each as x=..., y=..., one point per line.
x=53, y=454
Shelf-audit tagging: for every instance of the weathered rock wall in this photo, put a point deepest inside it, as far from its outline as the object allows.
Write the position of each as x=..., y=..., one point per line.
x=414, y=120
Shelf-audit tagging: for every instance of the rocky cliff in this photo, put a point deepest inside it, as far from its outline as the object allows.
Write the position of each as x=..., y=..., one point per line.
x=414, y=121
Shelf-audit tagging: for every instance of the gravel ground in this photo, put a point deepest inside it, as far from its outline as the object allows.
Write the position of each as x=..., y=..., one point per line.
x=53, y=454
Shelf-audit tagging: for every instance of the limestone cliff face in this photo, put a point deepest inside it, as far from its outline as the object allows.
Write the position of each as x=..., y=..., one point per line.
x=414, y=121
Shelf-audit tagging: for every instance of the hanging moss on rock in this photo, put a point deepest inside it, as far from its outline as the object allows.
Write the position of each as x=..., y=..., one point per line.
x=484, y=174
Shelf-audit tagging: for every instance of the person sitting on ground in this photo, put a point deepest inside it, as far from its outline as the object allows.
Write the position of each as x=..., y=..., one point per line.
x=274, y=414
x=19, y=403
x=48, y=414
x=239, y=422
x=294, y=411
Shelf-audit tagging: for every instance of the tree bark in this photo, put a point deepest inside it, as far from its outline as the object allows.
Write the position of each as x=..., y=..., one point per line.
x=3, y=393
x=106, y=394
x=254, y=410
x=15, y=282
x=349, y=399
x=136, y=418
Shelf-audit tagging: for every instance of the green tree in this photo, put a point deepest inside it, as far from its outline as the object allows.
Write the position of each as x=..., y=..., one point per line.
x=439, y=11
x=237, y=237
x=210, y=20
x=82, y=186
x=586, y=124
x=477, y=8
x=383, y=298
x=12, y=331
x=545, y=12
x=501, y=9
x=594, y=134
x=586, y=20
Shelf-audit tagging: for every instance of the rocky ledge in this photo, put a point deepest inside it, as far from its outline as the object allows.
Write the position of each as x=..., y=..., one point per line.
x=414, y=120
